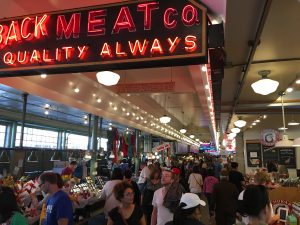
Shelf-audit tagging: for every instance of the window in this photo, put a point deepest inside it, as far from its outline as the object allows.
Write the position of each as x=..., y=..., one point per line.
x=103, y=143
x=75, y=141
x=37, y=138
x=2, y=135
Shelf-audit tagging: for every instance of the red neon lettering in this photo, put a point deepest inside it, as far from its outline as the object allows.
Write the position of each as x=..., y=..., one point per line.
x=156, y=47
x=46, y=56
x=138, y=47
x=35, y=56
x=147, y=8
x=173, y=44
x=82, y=51
x=68, y=51
x=3, y=30
x=24, y=28
x=119, y=52
x=167, y=20
x=67, y=29
x=9, y=58
x=22, y=57
x=124, y=21
x=189, y=9
x=58, y=54
x=40, y=28
x=106, y=51
x=13, y=33
x=95, y=23
x=190, y=42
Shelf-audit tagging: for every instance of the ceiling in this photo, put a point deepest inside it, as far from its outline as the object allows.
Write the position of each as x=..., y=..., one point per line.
x=275, y=24
x=272, y=25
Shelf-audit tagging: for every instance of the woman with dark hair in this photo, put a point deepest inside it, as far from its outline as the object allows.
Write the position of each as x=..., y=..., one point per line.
x=188, y=211
x=9, y=211
x=147, y=196
x=137, y=193
x=107, y=191
x=127, y=213
x=255, y=205
x=195, y=181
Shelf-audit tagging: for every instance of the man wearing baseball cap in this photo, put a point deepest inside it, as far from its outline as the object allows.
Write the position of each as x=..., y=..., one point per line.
x=188, y=212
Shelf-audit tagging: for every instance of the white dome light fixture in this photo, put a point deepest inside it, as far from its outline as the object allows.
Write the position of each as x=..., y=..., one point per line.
x=231, y=135
x=296, y=142
x=108, y=78
x=165, y=119
x=293, y=123
x=240, y=123
x=183, y=131
x=285, y=142
x=236, y=130
x=265, y=86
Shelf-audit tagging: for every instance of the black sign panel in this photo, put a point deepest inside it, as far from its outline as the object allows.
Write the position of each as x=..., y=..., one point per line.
x=132, y=35
x=287, y=157
x=270, y=154
x=254, y=154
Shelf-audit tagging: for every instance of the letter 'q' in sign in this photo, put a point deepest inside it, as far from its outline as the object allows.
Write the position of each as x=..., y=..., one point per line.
x=120, y=36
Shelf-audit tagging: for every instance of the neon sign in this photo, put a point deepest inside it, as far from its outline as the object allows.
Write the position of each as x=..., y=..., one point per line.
x=135, y=35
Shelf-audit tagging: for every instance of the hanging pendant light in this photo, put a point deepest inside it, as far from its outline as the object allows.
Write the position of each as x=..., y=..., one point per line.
x=183, y=131
x=285, y=142
x=240, y=123
x=296, y=142
x=55, y=157
x=236, y=130
x=165, y=119
x=32, y=157
x=108, y=78
x=4, y=157
x=265, y=86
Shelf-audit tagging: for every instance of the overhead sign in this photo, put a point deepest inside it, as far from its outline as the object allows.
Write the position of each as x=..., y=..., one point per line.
x=123, y=36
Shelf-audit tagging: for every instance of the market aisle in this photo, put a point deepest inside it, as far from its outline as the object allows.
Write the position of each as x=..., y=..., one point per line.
x=205, y=213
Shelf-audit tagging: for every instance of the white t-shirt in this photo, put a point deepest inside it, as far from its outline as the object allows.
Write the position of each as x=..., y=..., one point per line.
x=145, y=173
x=195, y=182
x=163, y=214
x=107, y=194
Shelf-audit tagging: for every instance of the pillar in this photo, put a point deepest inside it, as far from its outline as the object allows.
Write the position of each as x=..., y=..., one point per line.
x=89, y=132
x=240, y=157
x=138, y=153
x=94, y=145
x=24, y=96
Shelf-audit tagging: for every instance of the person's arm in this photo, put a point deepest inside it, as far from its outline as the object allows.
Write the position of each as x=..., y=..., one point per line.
x=142, y=221
x=153, y=216
x=109, y=221
x=63, y=221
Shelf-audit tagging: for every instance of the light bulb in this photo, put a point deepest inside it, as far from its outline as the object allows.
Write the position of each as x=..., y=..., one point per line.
x=203, y=68
x=290, y=89
x=99, y=100
x=43, y=75
x=76, y=90
x=46, y=112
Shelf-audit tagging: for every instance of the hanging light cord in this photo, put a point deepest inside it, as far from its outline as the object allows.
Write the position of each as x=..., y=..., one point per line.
x=283, y=115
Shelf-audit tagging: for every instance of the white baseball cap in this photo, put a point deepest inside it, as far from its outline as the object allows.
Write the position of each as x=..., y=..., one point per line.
x=191, y=200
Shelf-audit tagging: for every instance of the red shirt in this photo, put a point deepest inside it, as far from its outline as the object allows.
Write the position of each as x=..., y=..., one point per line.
x=66, y=171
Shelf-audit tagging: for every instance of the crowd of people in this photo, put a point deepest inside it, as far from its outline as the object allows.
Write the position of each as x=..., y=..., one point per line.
x=172, y=195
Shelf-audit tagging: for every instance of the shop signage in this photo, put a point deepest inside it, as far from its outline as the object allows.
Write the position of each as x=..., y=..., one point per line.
x=269, y=137
x=120, y=36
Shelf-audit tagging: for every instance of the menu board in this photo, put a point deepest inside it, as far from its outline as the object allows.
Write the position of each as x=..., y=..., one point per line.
x=254, y=154
x=283, y=156
x=270, y=154
x=287, y=157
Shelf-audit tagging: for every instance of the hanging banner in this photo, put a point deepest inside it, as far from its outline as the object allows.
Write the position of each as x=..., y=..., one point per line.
x=121, y=36
x=161, y=147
